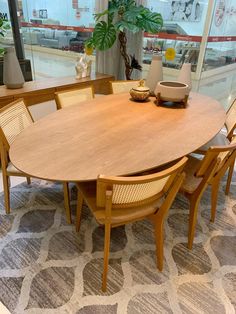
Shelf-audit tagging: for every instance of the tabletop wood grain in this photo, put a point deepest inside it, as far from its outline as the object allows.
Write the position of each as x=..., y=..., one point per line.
x=113, y=135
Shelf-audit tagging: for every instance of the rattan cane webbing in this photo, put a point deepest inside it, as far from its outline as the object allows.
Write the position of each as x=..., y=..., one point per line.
x=71, y=98
x=123, y=194
x=123, y=87
x=14, y=120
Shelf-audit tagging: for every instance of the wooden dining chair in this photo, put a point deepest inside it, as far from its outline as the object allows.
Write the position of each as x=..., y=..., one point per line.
x=115, y=201
x=117, y=87
x=73, y=97
x=203, y=172
x=14, y=118
x=224, y=139
x=221, y=138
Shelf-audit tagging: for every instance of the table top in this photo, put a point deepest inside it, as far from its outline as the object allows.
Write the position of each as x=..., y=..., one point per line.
x=114, y=135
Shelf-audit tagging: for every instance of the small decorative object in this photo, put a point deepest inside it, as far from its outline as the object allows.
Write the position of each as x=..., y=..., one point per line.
x=155, y=73
x=173, y=92
x=141, y=92
x=185, y=75
x=83, y=67
x=12, y=74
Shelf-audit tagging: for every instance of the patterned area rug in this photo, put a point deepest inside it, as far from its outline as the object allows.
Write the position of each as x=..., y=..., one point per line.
x=45, y=267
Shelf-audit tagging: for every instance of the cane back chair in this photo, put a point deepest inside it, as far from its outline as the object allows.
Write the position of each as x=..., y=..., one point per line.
x=200, y=174
x=117, y=87
x=73, y=97
x=116, y=201
x=222, y=139
x=14, y=118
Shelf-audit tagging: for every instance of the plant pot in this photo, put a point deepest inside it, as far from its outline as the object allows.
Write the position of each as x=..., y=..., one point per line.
x=172, y=91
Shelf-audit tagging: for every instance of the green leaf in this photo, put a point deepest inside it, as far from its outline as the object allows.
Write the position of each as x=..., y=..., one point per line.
x=150, y=22
x=89, y=43
x=97, y=16
x=1, y=22
x=2, y=51
x=124, y=25
x=6, y=26
x=133, y=13
x=104, y=35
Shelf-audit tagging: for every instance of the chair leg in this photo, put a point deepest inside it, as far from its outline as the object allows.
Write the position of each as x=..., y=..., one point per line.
x=214, y=197
x=106, y=255
x=159, y=244
x=67, y=202
x=192, y=222
x=6, y=193
x=229, y=179
x=78, y=210
x=28, y=180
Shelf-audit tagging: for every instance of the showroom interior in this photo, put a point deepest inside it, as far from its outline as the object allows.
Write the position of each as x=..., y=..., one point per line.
x=51, y=245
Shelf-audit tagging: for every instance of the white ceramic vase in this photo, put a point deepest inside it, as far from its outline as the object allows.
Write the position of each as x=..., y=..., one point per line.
x=12, y=74
x=155, y=73
x=185, y=75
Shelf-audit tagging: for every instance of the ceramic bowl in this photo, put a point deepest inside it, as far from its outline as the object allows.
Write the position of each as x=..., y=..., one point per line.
x=171, y=90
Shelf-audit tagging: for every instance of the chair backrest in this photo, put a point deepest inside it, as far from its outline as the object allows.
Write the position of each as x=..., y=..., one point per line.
x=73, y=97
x=224, y=154
x=122, y=86
x=138, y=190
x=14, y=118
x=230, y=121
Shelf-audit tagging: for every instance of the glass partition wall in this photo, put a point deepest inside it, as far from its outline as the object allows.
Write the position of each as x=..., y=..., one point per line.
x=218, y=72
x=201, y=32
x=54, y=33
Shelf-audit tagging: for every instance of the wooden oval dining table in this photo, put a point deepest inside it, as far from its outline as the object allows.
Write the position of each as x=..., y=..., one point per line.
x=114, y=135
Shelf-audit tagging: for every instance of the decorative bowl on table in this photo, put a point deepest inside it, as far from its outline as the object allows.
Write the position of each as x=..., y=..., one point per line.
x=172, y=91
x=141, y=92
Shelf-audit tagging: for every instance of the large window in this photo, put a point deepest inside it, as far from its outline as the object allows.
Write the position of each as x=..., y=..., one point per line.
x=221, y=47
x=54, y=33
x=7, y=39
x=183, y=28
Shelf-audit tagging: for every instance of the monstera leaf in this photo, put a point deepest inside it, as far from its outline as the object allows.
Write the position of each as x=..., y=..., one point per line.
x=123, y=16
x=124, y=25
x=104, y=35
x=150, y=22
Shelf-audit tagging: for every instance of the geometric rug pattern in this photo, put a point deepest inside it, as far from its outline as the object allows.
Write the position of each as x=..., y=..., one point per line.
x=46, y=267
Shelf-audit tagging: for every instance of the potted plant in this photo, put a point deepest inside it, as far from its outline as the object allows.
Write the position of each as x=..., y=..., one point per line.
x=123, y=16
x=4, y=26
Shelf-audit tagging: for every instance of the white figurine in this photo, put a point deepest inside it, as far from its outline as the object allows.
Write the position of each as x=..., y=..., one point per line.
x=83, y=67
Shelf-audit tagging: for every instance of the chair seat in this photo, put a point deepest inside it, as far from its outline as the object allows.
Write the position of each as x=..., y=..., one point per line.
x=219, y=140
x=119, y=215
x=191, y=182
x=12, y=169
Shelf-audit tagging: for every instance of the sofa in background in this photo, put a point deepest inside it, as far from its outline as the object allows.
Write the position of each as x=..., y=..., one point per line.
x=56, y=38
